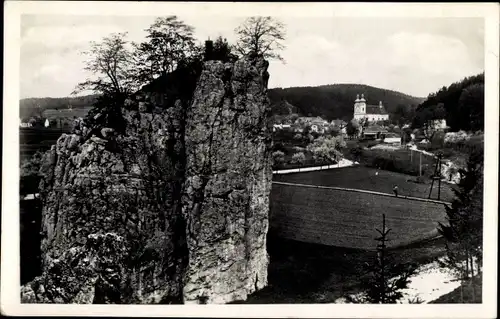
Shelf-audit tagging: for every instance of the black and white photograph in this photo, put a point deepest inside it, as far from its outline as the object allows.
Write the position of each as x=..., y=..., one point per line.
x=328, y=155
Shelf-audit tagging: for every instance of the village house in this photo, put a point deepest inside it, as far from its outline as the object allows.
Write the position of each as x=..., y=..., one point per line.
x=277, y=127
x=439, y=124
x=318, y=125
x=393, y=139
x=341, y=125
x=374, y=132
x=24, y=124
x=297, y=128
x=372, y=113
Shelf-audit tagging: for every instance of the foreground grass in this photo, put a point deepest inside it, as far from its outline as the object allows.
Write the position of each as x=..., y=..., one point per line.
x=308, y=273
x=469, y=292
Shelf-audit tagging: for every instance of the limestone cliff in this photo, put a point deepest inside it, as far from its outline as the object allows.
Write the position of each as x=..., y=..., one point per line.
x=174, y=210
x=228, y=181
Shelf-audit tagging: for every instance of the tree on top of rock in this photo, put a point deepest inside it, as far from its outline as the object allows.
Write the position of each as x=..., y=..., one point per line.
x=169, y=42
x=110, y=63
x=261, y=35
x=222, y=50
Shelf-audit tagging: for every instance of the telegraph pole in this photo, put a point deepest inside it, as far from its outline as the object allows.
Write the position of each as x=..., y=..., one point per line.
x=420, y=165
x=439, y=180
x=437, y=176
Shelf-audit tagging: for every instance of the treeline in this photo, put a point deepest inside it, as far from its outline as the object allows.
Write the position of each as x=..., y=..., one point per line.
x=336, y=101
x=32, y=107
x=461, y=104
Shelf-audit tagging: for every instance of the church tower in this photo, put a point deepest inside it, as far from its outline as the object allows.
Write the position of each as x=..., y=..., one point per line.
x=359, y=107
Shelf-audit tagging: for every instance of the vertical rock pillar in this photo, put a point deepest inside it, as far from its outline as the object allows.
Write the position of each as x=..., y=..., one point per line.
x=228, y=181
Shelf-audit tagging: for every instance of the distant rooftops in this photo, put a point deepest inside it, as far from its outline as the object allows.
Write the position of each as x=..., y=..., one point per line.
x=375, y=109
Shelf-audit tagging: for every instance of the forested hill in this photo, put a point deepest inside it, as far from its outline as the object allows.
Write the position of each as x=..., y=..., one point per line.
x=335, y=101
x=461, y=104
x=32, y=106
x=328, y=101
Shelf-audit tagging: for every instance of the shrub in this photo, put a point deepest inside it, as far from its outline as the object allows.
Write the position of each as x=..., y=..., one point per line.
x=437, y=140
x=326, y=150
x=396, y=161
x=278, y=157
x=298, y=158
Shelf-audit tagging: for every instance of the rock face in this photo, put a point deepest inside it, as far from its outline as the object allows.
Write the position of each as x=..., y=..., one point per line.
x=175, y=210
x=226, y=197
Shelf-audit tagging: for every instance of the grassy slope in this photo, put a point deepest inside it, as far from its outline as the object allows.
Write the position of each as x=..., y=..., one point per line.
x=347, y=219
x=308, y=273
x=365, y=178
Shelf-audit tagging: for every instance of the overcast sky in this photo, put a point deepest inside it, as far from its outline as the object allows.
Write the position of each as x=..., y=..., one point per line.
x=412, y=55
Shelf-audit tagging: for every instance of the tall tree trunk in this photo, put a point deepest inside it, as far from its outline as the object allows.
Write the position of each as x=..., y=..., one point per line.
x=472, y=278
x=462, y=292
x=466, y=263
x=472, y=265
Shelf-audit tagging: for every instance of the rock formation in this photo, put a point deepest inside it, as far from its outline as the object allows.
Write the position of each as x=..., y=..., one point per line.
x=174, y=210
x=226, y=198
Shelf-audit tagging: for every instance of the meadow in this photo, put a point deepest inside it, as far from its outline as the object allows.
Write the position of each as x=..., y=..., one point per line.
x=35, y=139
x=366, y=178
x=66, y=113
x=348, y=219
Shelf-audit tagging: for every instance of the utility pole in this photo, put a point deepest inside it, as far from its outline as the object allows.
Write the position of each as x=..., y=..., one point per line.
x=439, y=180
x=420, y=165
x=437, y=176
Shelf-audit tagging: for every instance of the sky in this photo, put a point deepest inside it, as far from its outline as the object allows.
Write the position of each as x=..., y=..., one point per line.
x=415, y=56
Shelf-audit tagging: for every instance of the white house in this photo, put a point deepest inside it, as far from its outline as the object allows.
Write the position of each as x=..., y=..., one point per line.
x=24, y=124
x=281, y=127
x=314, y=128
x=439, y=124
x=372, y=113
x=392, y=139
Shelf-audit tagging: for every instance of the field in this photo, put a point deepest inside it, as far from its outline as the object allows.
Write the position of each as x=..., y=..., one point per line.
x=349, y=219
x=360, y=177
x=37, y=139
x=66, y=113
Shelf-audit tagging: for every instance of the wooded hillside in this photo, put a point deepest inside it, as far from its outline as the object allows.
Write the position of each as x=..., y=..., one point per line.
x=461, y=103
x=335, y=101
x=35, y=106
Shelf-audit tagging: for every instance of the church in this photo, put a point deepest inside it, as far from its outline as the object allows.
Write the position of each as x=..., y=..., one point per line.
x=372, y=113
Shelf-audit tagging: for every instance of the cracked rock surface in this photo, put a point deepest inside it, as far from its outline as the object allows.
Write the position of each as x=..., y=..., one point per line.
x=173, y=211
x=228, y=180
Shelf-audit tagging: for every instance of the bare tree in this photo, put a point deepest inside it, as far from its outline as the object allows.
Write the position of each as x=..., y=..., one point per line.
x=110, y=63
x=261, y=35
